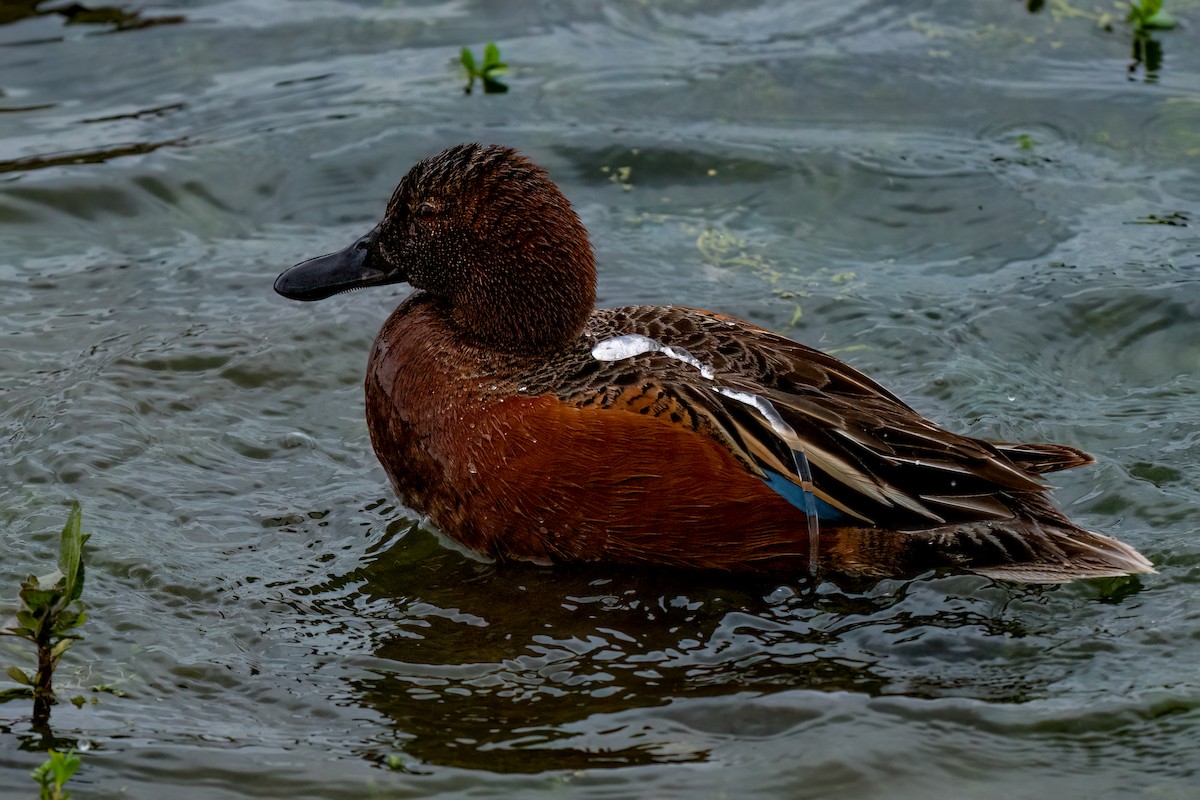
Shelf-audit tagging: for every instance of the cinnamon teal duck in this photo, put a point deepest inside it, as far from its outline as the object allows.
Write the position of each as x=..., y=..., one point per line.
x=526, y=424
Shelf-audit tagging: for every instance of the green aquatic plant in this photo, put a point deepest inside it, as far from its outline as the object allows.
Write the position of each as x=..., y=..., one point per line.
x=53, y=773
x=484, y=71
x=48, y=612
x=1148, y=15
x=1144, y=18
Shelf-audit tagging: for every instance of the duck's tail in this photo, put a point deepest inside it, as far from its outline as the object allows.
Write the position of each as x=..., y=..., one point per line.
x=1038, y=544
x=1049, y=549
x=1042, y=458
x=1059, y=555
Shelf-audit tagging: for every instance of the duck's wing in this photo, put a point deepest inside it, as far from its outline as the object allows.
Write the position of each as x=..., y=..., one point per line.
x=806, y=422
x=873, y=460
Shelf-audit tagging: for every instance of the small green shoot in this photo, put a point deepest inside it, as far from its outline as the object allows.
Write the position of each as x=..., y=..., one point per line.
x=53, y=773
x=1025, y=141
x=48, y=610
x=1148, y=15
x=485, y=72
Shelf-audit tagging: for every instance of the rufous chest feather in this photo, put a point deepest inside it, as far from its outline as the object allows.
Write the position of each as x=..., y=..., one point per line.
x=434, y=399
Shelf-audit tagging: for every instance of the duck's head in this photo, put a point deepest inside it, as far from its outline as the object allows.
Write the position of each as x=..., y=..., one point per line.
x=484, y=232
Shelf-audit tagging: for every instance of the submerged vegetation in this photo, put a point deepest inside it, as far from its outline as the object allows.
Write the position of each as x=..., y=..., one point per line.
x=1143, y=16
x=48, y=612
x=1146, y=16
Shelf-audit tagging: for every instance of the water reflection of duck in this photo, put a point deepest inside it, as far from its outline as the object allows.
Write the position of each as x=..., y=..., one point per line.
x=529, y=425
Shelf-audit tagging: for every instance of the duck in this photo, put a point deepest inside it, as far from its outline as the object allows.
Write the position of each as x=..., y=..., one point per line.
x=527, y=425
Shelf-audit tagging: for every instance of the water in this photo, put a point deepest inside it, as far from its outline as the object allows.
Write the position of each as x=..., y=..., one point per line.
x=960, y=200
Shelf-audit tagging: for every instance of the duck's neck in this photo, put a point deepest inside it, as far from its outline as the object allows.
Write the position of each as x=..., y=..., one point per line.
x=534, y=302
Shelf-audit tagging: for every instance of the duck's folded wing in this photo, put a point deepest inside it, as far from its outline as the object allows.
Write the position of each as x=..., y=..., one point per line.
x=778, y=406
x=873, y=460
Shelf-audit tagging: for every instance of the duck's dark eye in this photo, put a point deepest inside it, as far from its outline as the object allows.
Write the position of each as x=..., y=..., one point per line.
x=426, y=211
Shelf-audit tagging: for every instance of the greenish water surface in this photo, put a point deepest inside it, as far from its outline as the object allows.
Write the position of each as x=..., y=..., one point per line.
x=991, y=211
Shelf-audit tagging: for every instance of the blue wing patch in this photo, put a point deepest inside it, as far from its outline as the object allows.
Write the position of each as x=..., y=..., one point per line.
x=800, y=498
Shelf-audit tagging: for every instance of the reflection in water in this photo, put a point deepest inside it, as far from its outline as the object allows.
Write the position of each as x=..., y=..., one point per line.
x=1147, y=52
x=496, y=666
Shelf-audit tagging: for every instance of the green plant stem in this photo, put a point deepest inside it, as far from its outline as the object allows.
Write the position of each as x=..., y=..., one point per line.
x=43, y=688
